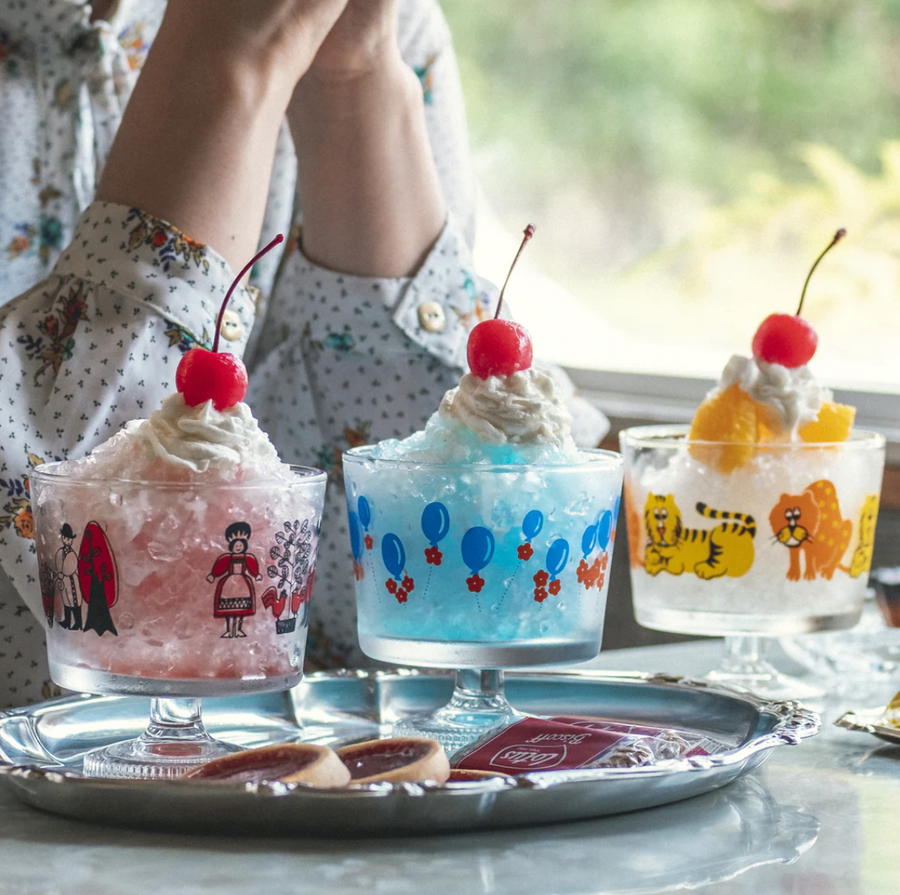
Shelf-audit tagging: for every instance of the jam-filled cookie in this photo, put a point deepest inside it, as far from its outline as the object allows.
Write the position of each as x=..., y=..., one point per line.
x=396, y=760
x=283, y=763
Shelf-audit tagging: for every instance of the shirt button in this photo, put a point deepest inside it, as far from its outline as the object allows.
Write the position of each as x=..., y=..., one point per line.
x=231, y=328
x=432, y=317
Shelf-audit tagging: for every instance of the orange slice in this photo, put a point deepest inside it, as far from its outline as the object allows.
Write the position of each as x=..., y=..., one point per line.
x=730, y=418
x=833, y=423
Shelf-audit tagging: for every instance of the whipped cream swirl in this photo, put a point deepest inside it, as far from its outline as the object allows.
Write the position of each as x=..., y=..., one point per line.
x=524, y=408
x=792, y=392
x=200, y=437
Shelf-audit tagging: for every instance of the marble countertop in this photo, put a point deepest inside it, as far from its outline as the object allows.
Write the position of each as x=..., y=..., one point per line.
x=817, y=819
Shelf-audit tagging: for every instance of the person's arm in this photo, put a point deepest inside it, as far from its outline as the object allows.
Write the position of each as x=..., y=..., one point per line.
x=198, y=137
x=372, y=202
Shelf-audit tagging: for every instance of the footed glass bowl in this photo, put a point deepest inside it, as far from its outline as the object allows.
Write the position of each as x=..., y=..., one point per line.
x=778, y=545
x=174, y=590
x=480, y=568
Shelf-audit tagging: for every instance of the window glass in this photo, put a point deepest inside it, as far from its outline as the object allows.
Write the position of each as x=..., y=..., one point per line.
x=685, y=161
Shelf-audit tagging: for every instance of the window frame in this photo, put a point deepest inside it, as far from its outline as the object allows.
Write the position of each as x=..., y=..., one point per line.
x=643, y=398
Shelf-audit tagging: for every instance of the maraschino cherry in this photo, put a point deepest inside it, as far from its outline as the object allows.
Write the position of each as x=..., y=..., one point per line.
x=217, y=376
x=500, y=347
x=788, y=339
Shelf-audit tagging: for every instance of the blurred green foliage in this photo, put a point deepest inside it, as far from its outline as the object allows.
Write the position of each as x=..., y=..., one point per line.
x=685, y=160
x=702, y=91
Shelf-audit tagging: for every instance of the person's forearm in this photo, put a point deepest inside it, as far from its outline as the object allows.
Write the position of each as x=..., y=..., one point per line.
x=372, y=202
x=198, y=137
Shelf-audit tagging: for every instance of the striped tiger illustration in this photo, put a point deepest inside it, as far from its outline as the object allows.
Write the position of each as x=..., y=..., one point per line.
x=726, y=549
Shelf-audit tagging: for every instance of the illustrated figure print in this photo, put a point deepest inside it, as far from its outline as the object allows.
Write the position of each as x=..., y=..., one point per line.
x=673, y=547
x=65, y=564
x=98, y=579
x=293, y=576
x=811, y=524
x=235, y=595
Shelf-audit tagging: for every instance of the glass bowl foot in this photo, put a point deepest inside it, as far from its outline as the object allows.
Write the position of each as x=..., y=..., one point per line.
x=477, y=707
x=744, y=665
x=174, y=742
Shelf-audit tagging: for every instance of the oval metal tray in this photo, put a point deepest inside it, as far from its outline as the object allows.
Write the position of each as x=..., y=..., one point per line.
x=42, y=747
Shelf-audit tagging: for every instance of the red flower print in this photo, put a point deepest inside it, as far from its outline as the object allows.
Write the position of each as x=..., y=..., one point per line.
x=401, y=595
x=582, y=572
x=588, y=576
x=73, y=309
x=525, y=551
x=51, y=326
x=159, y=239
x=554, y=587
x=358, y=571
x=601, y=578
x=408, y=584
x=367, y=540
x=433, y=556
x=391, y=585
x=476, y=582
x=541, y=578
x=540, y=594
x=23, y=522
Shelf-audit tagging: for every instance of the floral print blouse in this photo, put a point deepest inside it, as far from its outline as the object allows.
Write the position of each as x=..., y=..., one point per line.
x=109, y=299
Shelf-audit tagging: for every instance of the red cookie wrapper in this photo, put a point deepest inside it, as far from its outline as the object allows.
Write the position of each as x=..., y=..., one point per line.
x=566, y=743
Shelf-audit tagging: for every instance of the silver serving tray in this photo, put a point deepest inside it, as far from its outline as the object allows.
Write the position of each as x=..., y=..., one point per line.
x=42, y=748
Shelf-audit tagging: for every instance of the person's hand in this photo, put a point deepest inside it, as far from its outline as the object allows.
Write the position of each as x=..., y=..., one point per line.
x=197, y=140
x=278, y=37
x=363, y=36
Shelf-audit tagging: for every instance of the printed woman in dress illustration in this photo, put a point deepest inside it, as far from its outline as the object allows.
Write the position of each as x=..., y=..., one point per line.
x=235, y=596
x=66, y=563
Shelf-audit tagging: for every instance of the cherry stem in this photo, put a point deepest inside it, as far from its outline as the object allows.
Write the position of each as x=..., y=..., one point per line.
x=837, y=238
x=237, y=280
x=529, y=232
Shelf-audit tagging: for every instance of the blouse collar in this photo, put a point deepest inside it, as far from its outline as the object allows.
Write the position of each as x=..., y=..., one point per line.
x=63, y=23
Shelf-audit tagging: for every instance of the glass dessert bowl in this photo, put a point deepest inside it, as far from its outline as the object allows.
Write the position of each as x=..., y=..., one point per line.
x=175, y=590
x=779, y=545
x=483, y=541
x=177, y=561
x=479, y=568
x=757, y=520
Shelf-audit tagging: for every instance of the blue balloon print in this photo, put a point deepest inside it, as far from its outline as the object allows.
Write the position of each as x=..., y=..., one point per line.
x=615, y=511
x=532, y=524
x=604, y=529
x=435, y=522
x=393, y=554
x=355, y=535
x=477, y=548
x=588, y=540
x=365, y=512
x=557, y=557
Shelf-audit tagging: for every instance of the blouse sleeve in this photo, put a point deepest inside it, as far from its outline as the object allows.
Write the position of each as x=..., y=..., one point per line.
x=96, y=344
x=342, y=359
x=426, y=45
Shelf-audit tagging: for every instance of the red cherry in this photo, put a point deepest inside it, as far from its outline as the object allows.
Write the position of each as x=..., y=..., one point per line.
x=217, y=376
x=785, y=339
x=788, y=339
x=498, y=348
